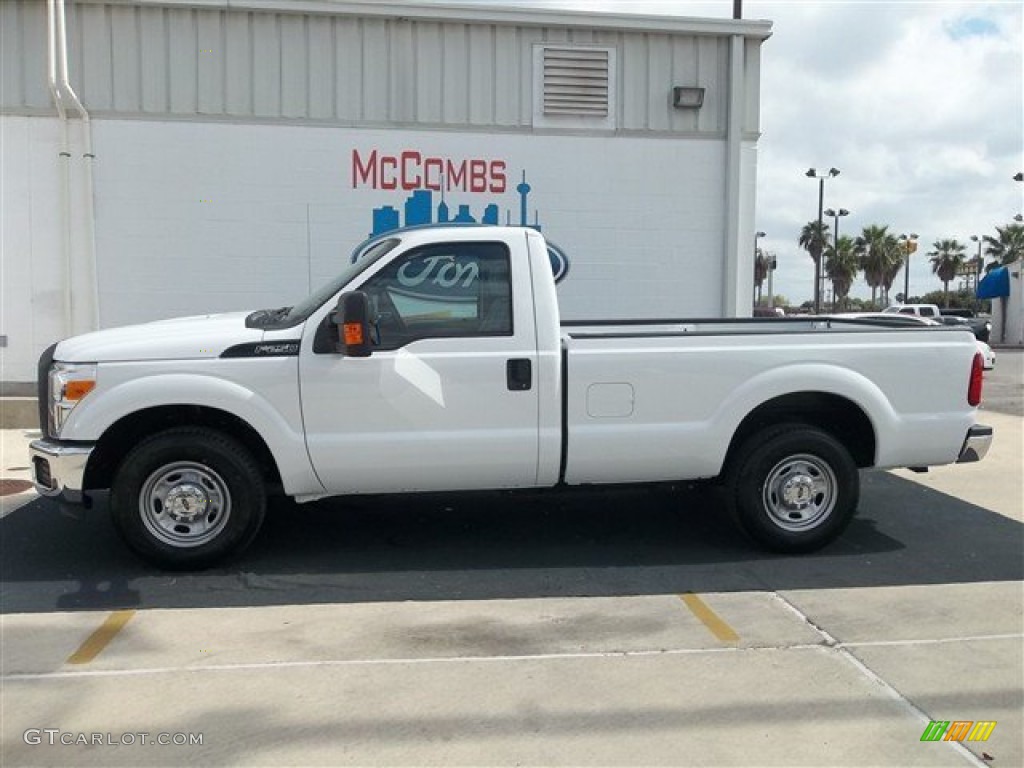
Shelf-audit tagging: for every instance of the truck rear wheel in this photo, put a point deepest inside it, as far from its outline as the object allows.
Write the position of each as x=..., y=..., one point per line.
x=188, y=498
x=793, y=488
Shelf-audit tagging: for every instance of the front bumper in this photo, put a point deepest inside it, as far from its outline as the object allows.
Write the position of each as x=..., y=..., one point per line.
x=976, y=444
x=58, y=469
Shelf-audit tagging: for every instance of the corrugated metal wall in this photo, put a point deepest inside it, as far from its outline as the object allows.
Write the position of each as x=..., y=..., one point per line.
x=148, y=60
x=23, y=57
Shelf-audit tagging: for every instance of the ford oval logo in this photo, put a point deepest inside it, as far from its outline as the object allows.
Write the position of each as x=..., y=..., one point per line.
x=559, y=262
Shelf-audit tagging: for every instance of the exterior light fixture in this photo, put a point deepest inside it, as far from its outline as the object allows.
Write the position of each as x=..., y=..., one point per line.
x=812, y=173
x=687, y=97
x=836, y=215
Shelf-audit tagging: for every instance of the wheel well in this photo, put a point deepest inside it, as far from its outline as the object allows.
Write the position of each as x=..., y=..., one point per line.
x=125, y=434
x=841, y=418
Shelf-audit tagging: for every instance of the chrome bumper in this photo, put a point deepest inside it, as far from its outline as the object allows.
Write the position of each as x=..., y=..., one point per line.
x=976, y=444
x=59, y=468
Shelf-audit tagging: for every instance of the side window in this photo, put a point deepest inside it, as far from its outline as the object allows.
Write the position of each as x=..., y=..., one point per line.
x=447, y=290
x=907, y=311
x=927, y=312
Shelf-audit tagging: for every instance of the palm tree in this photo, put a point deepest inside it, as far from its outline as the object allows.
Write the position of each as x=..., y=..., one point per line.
x=760, y=274
x=895, y=267
x=841, y=267
x=947, y=259
x=813, y=239
x=1007, y=248
x=879, y=253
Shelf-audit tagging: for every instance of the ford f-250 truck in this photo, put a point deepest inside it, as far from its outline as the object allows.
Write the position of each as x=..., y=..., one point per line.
x=437, y=362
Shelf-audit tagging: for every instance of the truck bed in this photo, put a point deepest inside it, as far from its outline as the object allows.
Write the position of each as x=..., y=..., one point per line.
x=670, y=394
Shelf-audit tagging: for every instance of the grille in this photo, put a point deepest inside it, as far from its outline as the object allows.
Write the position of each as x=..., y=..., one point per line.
x=45, y=361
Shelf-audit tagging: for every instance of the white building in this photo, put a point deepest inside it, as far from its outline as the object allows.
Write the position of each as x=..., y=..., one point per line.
x=1008, y=310
x=230, y=154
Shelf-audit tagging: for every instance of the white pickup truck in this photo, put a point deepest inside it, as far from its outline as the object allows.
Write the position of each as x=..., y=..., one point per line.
x=437, y=362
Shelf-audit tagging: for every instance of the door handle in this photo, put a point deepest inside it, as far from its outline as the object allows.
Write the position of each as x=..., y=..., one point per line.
x=519, y=373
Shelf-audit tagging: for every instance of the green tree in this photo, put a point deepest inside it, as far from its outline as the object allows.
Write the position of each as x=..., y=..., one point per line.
x=962, y=298
x=895, y=267
x=841, y=267
x=880, y=254
x=1007, y=248
x=813, y=239
x=947, y=258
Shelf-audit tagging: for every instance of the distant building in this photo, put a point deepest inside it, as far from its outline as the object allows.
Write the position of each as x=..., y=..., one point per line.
x=237, y=151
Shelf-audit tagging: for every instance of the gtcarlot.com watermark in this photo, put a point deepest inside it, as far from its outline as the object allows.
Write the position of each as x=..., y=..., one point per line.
x=56, y=737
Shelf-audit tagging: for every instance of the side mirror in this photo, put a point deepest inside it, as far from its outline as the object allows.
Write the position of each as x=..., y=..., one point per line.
x=352, y=319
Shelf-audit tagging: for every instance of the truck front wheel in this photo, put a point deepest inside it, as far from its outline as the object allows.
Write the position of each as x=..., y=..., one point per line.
x=188, y=498
x=793, y=488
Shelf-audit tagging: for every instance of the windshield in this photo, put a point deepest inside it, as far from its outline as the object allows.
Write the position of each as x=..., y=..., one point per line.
x=287, y=317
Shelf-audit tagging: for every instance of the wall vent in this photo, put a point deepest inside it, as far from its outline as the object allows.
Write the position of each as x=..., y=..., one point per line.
x=574, y=87
x=576, y=81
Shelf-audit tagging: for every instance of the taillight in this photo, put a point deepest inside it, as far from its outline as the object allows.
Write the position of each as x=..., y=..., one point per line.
x=974, y=388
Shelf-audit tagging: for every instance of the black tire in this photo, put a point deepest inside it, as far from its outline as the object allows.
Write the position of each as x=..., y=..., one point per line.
x=792, y=488
x=188, y=498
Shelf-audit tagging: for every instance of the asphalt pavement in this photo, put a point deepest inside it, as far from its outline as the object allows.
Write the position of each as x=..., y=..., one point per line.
x=1004, y=385
x=625, y=627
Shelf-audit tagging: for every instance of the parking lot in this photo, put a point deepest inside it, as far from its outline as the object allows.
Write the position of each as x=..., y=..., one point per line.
x=621, y=627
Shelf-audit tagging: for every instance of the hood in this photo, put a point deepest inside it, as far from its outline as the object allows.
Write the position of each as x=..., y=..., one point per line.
x=178, y=339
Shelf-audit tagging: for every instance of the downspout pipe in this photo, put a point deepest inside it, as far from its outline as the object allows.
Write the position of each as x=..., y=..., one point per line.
x=736, y=283
x=51, y=62
x=87, y=320
x=63, y=156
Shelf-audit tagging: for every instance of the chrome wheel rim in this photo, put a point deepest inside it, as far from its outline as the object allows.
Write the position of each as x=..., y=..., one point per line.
x=800, y=492
x=185, y=504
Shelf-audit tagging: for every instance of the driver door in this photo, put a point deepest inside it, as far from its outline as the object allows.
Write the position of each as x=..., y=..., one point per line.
x=442, y=403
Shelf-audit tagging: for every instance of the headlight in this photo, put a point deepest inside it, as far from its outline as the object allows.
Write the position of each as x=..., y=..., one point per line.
x=69, y=384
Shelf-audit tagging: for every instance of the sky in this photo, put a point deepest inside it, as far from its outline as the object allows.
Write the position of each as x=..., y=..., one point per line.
x=920, y=105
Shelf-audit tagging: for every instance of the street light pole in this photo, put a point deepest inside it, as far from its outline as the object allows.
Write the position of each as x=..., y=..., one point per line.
x=909, y=247
x=813, y=174
x=1019, y=176
x=835, y=237
x=978, y=261
x=817, y=261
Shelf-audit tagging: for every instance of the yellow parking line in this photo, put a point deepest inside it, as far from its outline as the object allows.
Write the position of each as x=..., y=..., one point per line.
x=715, y=623
x=98, y=640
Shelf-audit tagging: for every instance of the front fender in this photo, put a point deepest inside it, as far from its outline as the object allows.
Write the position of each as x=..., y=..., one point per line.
x=120, y=393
